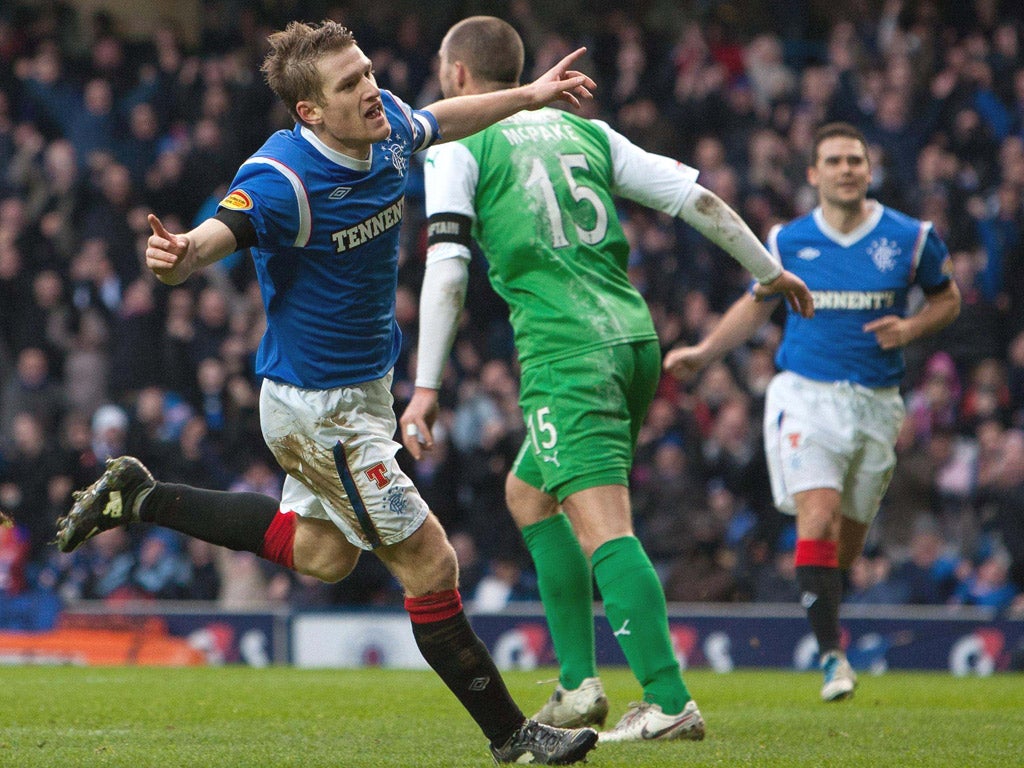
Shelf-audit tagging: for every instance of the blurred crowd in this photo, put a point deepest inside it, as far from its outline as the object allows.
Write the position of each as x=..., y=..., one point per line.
x=98, y=359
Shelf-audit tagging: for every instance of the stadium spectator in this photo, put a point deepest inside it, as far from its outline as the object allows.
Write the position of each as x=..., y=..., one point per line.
x=929, y=573
x=31, y=389
x=871, y=580
x=987, y=585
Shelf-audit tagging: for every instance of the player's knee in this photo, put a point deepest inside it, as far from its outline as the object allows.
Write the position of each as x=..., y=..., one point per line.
x=527, y=504
x=438, y=569
x=323, y=552
x=329, y=569
x=425, y=562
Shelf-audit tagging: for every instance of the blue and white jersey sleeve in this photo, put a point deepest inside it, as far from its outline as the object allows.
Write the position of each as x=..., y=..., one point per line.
x=275, y=199
x=934, y=267
x=422, y=123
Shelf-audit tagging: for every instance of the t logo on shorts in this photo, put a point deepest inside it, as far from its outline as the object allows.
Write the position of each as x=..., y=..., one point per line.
x=794, y=439
x=379, y=474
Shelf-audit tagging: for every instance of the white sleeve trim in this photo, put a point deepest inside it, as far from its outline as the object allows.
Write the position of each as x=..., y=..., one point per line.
x=441, y=301
x=922, y=239
x=773, y=242
x=301, y=197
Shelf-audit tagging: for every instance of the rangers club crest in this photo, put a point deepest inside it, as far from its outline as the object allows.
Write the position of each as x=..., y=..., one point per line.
x=884, y=252
x=394, y=151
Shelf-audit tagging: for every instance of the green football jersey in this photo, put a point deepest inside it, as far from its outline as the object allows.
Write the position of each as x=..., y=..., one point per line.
x=547, y=224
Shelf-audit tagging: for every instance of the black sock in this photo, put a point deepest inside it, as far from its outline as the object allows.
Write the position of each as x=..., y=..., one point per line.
x=821, y=591
x=234, y=520
x=460, y=658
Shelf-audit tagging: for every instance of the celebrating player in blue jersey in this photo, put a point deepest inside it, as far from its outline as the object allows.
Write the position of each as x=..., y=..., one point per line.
x=320, y=206
x=832, y=414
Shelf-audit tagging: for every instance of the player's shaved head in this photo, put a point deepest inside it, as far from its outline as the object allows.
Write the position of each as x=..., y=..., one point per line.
x=291, y=65
x=831, y=131
x=489, y=47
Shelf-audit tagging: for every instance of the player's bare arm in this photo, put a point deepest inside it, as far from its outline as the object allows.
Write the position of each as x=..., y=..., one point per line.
x=737, y=325
x=939, y=310
x=172, y=258
x=461, y=116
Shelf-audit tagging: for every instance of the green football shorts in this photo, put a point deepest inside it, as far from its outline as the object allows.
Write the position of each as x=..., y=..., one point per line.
x=583, y=414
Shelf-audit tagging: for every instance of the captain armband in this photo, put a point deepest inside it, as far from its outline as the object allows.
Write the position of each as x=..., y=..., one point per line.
x=449, y=228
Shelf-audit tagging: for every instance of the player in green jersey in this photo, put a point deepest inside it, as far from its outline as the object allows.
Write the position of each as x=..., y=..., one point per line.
x=536, y=192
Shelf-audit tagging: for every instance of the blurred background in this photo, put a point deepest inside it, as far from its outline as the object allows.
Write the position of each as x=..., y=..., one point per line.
x=111, y=109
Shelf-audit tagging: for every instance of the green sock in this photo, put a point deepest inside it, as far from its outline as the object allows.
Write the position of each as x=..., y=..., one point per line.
x=634, y=603
x=566, y=588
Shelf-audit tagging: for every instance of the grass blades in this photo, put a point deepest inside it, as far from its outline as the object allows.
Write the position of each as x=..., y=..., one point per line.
x=238, y=717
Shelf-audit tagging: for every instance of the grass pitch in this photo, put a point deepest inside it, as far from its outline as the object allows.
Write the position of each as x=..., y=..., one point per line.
x=238, y=717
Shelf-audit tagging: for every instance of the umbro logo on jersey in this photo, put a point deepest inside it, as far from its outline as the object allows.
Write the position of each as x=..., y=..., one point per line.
x=808, y=254
x=339, y=192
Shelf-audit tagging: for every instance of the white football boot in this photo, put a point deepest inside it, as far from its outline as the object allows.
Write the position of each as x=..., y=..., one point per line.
x=586, y=705
x=646, y=722
x=840, y=679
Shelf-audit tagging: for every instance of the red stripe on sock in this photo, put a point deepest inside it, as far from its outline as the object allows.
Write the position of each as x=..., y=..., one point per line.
x=821, y=552
x=436, y=607
x=279, y=540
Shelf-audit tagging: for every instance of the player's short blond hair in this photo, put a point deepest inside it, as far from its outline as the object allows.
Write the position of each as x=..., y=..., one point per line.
x=489, y=47
x=291, y=65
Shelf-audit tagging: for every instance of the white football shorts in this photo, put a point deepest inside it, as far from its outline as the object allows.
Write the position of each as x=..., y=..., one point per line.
x=336, y=446
x=836, y=435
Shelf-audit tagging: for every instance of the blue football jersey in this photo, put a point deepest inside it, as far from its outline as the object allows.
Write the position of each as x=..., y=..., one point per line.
x=326, y=258
x=855, y=278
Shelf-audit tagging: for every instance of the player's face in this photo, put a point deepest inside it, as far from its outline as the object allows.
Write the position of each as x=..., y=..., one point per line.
x=351, y=117
x=841, y=172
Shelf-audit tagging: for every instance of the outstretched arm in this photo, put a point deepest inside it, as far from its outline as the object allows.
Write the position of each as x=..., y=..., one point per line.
x=462, y=116
x=172, y=258
x=669, y=186
x=718, y=222
x=737, y=325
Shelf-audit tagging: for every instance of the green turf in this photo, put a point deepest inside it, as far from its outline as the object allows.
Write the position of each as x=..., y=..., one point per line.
x=237, y=717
